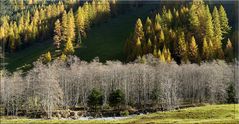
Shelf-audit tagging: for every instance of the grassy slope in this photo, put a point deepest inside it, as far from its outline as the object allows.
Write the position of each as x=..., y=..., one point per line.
x=105, y=41
x=206, y=114
x=27, y=56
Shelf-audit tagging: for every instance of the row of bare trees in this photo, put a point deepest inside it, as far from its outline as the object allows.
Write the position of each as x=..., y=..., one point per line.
x=59, y=85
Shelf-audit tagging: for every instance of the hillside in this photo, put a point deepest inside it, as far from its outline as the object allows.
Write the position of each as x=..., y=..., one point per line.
x=102, y=41
x=106, y=40
x=201, y=115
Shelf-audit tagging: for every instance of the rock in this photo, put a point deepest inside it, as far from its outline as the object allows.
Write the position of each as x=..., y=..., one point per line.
x=80, y=113
x=65, y=113
x=74, y=115
x=58, y=115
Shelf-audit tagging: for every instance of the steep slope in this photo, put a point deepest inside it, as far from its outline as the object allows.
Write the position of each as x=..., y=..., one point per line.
x=105, y=41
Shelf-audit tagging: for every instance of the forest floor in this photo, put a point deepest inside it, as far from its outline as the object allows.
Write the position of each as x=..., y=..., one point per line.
x=209, y=114
x=105, y=40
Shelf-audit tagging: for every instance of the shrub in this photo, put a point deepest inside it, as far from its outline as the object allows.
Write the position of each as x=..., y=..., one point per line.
x=231, y=94
x=155, y=95
x=124, y=113
x=116, y=98
x=95, y=99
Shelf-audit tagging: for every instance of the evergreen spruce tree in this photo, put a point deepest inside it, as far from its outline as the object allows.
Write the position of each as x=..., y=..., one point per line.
x=194, y=20
x=21, y=24
x=138, y=48
x=209, y=26
x=17, y=36
x=169, y=57
x=57, y=37
x=47, y=57
x=157, y=26
x=71, y=26
x=86, y=15
x=159, y=53
x=12, y=39
x=229, y=51
x=138, y=30
x=69, y=49
x=80, y=22
x=148, y=27
x=162, y=58
x=182, y=48
x=211, y=50
x=224, y=20
x=155, y=51
x=149, y=46
x=95, y=99
x=165, y=52
x=64, y=26
x=63, y=57
x=205, y=50
x=217, y=29
x=116, y=98
x=193, y=51
x=217, y=41
x=161, y=37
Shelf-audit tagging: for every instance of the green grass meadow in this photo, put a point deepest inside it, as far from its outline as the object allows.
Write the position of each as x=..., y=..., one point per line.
x=209, y=114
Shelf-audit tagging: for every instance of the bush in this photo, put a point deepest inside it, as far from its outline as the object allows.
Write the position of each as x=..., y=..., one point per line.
x=155, y=95
x=231, y=94
x=116, y=98
x=124, y=113
x=95, y=99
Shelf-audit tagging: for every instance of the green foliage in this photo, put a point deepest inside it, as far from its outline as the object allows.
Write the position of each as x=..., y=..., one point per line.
x=193, y=51
x=138, y=31
x=176, y=31
x=95, y=99
x=47, y=57
x=217, y=27
x=64, y=26
x=148, y=27
x=209, y=25
x=224, y=20
x=116, y=98
x=231, y=93
x=193, y=17
x=217, y=35
x=70, y=26
x=205, y=50
x=228, y=51
x=155, y=95
x=124, y=113
x=63, y=57
x=29, y=25
x=69, y=49
x=182, y=48
x=57, y=38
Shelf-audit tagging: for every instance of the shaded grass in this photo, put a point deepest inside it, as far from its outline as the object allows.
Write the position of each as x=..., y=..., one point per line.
x=107, y=40
x=209, y=114
x=23, y=59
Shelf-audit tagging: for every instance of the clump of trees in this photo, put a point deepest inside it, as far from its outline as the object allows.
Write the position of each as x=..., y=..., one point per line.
x=71, y=83
x=192, y=33
x=33, y=24
x=39, y=20
x=72, y=27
